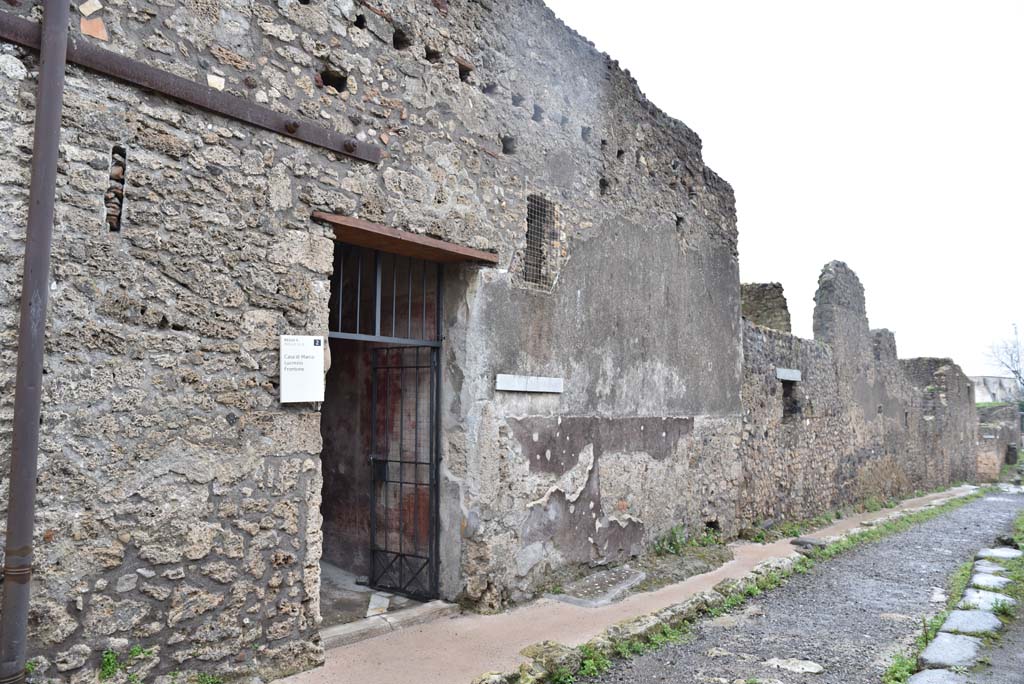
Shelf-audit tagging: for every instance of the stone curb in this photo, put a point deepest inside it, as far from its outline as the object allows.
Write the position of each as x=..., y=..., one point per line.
x=343, y=635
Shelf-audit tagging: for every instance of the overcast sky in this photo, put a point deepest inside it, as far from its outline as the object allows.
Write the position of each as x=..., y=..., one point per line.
x=886, y=134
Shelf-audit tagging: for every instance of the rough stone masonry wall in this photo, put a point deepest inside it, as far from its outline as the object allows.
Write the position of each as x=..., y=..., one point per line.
x=998, y=439
x=765, y=305
x=178, y=502
x=866, y=424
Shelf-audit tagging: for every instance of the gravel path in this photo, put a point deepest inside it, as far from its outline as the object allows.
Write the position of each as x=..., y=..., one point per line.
x=848, y=614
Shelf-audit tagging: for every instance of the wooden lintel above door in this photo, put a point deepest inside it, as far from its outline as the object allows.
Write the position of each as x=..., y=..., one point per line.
x=362, y=233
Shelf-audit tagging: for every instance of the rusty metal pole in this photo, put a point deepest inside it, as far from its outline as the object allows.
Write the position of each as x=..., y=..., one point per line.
x=35, y=290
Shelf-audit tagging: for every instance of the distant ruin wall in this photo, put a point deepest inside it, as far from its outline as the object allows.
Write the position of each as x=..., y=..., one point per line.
x=999, y=437
x=765, y=305
x=859, y=424
x=989, y=389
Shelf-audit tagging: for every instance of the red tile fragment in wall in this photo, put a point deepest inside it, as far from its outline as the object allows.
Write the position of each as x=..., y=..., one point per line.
x=94, y=28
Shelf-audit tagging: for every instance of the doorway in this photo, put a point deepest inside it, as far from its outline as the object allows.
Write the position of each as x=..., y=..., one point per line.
x=380, y=428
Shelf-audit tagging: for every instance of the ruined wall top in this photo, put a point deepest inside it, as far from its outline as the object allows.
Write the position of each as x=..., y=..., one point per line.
x=765, y=304
x=840, y=314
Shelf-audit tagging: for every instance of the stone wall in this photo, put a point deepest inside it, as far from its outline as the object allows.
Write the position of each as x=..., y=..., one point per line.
x=999, y=440
x=179, y=503
x=989, y=389
x=765, y=305
x=860, y=423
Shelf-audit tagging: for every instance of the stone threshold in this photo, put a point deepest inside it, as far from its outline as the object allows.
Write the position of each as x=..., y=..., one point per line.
x=367, y=628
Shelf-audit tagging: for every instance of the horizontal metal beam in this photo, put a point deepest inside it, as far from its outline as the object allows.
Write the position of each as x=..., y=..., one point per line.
x=405, y=341
x=26, y=33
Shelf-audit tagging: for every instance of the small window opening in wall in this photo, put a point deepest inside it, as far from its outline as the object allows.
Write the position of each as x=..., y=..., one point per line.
x=401, y=40
x=508, y=144
x=433, y=56
x=490, y=88
x=517, y=99
x=303, y=2
x=906, y=419
x=114, y=197
x=360, y=21
x=540, y=232
x=604, y=185
x=538, y=113
x=791, y=408
x=465, y=69
x=585, y=133
x=335, y=79
x=620, y=154
x=564, y=120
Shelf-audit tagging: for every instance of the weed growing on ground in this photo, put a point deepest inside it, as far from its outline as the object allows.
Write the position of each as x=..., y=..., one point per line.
x=1003, y=609
x=207, y=678
x=30, y=666
x=900, y=671
x=592, y=661
x=676, y=541
x=561, y=676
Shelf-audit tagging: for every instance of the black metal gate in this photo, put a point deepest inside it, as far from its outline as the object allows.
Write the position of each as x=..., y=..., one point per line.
x=404, y=502
x=383, y=298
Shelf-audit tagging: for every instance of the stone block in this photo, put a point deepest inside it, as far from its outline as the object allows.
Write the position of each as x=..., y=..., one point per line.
x=950, y=650
x=984, y=600
x=971, y=622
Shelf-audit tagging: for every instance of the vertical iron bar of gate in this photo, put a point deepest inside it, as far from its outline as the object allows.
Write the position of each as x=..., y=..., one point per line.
x=377, y=260
x=340, y=288
x=339, y=258
x=418, y=455
x=435, y=425
x=387, y=455
x=401, y=469
x=394, y=292
x=359, y=284
x=408, y=320
x=373, y=466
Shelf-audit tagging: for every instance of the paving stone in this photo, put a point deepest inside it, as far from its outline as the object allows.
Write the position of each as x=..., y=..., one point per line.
x=984, y=580
x=989, y=567
x=1000, y=553
x=600, y=588
x=972, y=622
x=379, y=603
x=795, y=665
x=809, y=543
x=950, y=650
x=984, y=600
x=937, y=677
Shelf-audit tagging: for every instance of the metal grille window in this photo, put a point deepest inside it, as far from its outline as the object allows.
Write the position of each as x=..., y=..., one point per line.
x=383, y=297
x=540, y=257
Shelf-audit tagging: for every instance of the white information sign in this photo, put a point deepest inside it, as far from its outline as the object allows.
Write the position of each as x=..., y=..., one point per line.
x=302, y=368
